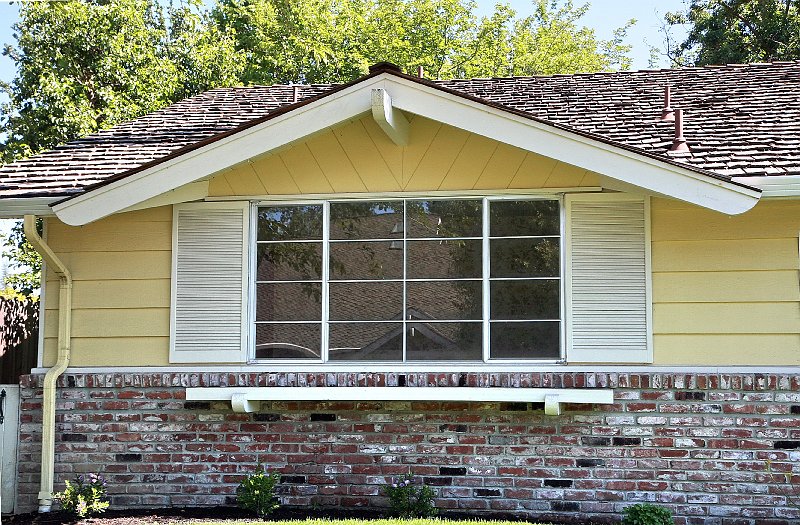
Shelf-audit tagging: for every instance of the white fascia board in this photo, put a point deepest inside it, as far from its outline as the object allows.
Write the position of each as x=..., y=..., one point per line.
x=194, y=191
x=16, y=208
x=652, y=175
x=774, y=186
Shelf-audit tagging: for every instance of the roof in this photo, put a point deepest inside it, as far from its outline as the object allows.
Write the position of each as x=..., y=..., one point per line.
x=739, y=120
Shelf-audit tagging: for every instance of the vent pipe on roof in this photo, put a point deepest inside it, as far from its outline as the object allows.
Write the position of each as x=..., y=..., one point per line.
x=667, y=113
x=295, y=90
x=679, y=142
x=420, y=72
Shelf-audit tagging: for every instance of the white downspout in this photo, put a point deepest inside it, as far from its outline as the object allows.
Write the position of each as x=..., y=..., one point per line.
x=64, y=347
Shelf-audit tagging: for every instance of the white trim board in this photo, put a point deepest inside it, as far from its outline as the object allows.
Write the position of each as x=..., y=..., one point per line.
x=652, y=175
x=774, y=186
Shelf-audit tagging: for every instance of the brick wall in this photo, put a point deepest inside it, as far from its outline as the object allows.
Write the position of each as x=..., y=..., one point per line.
x=698, y=444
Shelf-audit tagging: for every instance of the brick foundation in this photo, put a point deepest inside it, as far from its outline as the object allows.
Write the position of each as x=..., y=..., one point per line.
x=698, y=444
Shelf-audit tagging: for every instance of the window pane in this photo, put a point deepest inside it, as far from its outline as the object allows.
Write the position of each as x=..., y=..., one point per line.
x=449, y=300
x=290, y=223
x=288, y=341
x=524, y=258
x=525, y=299
x=289, y=302
x=444, y=341
x=374, y=301
x=367, y=220
x=289, y=261
x=367, y=260
x=444, y=218
x=366, y=342
x=512, y=218
x=525, y=340
x=444, y=259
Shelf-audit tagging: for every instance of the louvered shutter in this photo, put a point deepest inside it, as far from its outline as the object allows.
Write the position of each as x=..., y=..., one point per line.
x=607, y=279
x=209, y=283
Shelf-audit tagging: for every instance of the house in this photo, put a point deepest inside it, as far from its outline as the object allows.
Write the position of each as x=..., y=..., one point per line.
x=541, y=296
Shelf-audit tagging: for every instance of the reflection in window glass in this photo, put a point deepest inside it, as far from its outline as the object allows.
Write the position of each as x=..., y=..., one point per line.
x=366, y=261
x=288, y=341
x=290, y=223
x=444, y=259
x=444, y=300
x=375, y=301
x=444, y=341
x=513, y=218
x=367, y=220
x=444, y=218
x=522, y=299
x=289, y=302
x=525, y=340
x=524, y=257
x=289, y=261
x=366, y=342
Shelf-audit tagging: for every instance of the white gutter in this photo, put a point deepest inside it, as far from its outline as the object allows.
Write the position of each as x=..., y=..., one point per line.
x=64, y=326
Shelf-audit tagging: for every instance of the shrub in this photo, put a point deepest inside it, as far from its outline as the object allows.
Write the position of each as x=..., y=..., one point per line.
x=408, y=500
x=647, y=514
x=84, y=497
x=256, y=492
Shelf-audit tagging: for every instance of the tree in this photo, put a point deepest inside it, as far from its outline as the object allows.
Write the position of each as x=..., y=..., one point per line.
x=736, y=31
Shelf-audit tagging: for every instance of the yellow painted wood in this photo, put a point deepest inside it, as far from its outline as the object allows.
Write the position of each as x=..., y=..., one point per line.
x=437, y=161
x=725, y=255
x=726, y=318
x=421, y=134
x=391, y=154
x=86, y=266
x=118, y=351
x=139, y=293
x=591, y=179
x=774, y=219
x=565, y=176
x=469, y=164
x=726, y=287
x=534, y=172
x=305, y=171
x=110, y=236
x=501, y=168
x=275, y=176
x=727, y=350
x=246, y=181
x=339, y=171
x=114, y=322
x=366, y=158
x=218, y=186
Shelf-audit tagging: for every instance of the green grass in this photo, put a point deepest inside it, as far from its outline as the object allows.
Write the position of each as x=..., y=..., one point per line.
x=419, y=521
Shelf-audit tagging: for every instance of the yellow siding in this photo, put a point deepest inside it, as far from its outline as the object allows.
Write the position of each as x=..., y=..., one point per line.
x=358, y=157
x=121, y=295
x=725, y=289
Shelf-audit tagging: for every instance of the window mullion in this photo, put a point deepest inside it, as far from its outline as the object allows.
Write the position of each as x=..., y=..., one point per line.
x=485, y=275
x=326, y=228
x=405, y=282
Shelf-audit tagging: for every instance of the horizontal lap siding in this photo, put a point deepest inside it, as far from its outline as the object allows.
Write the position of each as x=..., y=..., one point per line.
x=725, y=289
x=121, y=292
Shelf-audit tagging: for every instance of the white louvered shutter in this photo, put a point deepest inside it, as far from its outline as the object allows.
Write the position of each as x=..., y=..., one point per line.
x=607, y=281
x=209, y=283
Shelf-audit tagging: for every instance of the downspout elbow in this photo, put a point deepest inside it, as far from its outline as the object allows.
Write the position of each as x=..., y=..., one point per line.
x=62, y=360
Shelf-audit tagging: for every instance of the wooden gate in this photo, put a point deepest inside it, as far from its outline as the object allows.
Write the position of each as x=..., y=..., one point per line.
x=19, y=337
x=9, y=428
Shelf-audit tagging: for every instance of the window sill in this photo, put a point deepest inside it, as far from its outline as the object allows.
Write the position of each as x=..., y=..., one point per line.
x=247, y=400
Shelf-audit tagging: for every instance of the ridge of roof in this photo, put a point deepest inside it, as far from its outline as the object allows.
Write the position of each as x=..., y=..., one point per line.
x=605, y=115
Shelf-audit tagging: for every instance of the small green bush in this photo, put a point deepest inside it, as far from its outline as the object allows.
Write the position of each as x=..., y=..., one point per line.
x=85, y=497
x=256, y=492
x=647, y=514
x=408, y=500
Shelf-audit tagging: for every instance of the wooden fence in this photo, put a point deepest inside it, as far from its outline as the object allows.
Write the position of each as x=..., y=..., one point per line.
x=19, y=337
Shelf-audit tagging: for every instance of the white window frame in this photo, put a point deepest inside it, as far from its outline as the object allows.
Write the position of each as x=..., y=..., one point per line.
x=323, y=363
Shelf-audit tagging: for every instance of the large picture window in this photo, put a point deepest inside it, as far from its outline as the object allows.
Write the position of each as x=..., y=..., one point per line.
x=409, y=280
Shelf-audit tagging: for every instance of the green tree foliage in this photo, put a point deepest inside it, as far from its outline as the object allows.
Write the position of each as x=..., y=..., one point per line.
x=24, y=283
x=736, y=31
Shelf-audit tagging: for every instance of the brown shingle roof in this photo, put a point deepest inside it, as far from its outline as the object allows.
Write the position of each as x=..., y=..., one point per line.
x=739, y=120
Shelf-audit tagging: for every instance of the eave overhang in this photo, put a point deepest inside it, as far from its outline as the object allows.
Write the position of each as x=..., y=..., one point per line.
x=629, y=166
